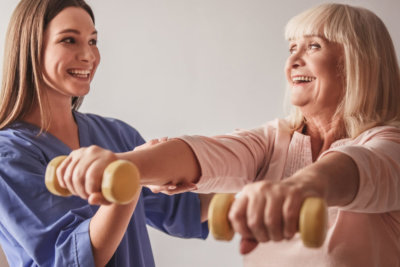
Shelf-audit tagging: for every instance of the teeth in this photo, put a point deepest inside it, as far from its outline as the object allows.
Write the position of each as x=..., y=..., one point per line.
x=303, y=79
x=80, y=73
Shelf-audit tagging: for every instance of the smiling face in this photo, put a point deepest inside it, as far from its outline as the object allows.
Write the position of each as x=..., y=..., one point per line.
x=314, y=75
x=70, y=54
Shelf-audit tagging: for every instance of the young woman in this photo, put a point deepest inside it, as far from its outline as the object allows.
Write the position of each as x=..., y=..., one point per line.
x=50, y=59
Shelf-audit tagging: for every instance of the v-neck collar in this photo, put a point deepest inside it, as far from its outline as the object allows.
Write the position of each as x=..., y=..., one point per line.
x=83, y=132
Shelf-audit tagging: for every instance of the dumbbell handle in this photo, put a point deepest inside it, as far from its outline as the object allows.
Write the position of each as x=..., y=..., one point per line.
x=312, y=221
x=120, y=183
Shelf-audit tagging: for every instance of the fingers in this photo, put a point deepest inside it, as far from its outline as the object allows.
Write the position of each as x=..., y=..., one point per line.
x=94, y=174
x=291, y=214
x=60, y=171
x=273, y=217
x=238, y=217
x=97, y=199
x=171, y=189
x=247, y=245
x=255, y=217
x=82, y=172
x=264, y=212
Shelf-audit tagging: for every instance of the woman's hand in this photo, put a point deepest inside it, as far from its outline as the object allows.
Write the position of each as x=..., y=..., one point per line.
x=268, y=210
x=172, y=189
x=265, y=210
x=82, y=173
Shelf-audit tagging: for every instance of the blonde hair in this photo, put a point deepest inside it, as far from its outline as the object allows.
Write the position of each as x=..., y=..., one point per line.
x=22, y=79
x=372, y=76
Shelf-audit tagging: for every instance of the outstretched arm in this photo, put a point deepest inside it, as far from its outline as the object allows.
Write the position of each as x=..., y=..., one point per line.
x=167, y=163
x=172, y=162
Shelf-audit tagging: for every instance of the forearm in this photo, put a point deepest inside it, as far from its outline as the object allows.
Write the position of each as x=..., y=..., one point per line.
x=172, y=161
x=335, y=176
x=107, y=227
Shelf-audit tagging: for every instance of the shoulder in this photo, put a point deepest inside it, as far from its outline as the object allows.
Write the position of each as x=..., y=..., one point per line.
x=18, y=142
x=388, y=133
x=376, y=138
x=112, y=127
x=101, y=121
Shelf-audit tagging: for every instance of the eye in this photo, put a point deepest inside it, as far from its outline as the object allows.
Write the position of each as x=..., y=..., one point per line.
x=93, y=42
x=292, y=49
x=313, y=46
x=68, y=40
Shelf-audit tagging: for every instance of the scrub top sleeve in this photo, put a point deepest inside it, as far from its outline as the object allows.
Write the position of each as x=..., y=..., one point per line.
x=178, y=215
x=130, y=135
x=46, y=228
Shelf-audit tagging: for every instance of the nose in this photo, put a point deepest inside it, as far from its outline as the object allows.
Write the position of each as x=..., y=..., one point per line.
x=296, y=60
x=87, y=54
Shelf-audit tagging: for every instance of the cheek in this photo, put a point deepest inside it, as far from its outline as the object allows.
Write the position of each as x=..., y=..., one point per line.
x=287, y=71
x=54, y=60
x=98, y=59
x=96, y=62
x=48, y=66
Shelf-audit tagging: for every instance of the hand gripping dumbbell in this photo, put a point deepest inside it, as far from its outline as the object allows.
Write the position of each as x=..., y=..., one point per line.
x=312, y=221
x=121, y=180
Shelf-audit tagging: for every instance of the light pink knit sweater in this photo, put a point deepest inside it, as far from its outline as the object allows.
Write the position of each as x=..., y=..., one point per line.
x=364, y=233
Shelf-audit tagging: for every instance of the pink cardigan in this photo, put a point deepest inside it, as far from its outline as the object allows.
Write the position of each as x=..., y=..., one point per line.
x=364, y=233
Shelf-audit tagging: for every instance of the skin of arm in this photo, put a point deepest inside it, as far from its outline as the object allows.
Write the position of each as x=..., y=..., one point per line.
x=170, y=162
x=107, y=227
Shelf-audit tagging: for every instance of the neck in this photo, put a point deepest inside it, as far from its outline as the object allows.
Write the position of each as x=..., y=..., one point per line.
x=62, y=124
x=323, y=133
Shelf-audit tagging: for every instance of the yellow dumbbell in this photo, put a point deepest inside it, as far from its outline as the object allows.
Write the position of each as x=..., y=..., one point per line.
x=312, y=221
x=121, y=180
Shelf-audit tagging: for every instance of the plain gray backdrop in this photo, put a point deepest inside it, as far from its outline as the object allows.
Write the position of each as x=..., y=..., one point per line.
x=173, y=67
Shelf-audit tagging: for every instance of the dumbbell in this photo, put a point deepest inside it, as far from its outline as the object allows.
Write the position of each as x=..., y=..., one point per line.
x=121, y=180
x=312, y=221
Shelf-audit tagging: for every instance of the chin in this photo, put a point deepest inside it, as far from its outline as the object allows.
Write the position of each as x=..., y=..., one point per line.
x=298, y=102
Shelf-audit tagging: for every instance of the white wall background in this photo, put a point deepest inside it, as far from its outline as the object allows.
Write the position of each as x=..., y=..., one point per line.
x=172, y=67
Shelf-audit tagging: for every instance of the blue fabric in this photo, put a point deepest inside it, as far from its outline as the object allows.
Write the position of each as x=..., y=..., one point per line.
x=41, y=229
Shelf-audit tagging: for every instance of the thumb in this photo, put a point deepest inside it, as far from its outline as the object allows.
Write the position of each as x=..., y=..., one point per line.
x=247, y=245
x=97, y=199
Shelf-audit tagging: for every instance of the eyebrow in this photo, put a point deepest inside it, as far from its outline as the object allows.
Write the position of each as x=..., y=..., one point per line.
x=73, y=31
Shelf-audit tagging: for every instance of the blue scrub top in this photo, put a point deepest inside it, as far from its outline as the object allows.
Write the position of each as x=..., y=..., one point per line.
x=41, y=229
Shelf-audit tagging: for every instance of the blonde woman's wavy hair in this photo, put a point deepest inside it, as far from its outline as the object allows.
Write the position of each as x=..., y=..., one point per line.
x=372, y=76
x=22, y=79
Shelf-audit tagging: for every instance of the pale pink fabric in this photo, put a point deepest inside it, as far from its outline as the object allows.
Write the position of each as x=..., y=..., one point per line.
x=365, y=233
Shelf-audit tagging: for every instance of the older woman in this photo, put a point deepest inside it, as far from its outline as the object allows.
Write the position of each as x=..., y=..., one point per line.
x=341, y=143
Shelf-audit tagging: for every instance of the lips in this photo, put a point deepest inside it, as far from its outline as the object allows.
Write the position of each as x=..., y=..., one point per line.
x=82, y=74
x=302, y=79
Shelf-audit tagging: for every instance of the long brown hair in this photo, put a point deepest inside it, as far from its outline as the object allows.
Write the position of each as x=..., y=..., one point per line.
x=22, y=81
